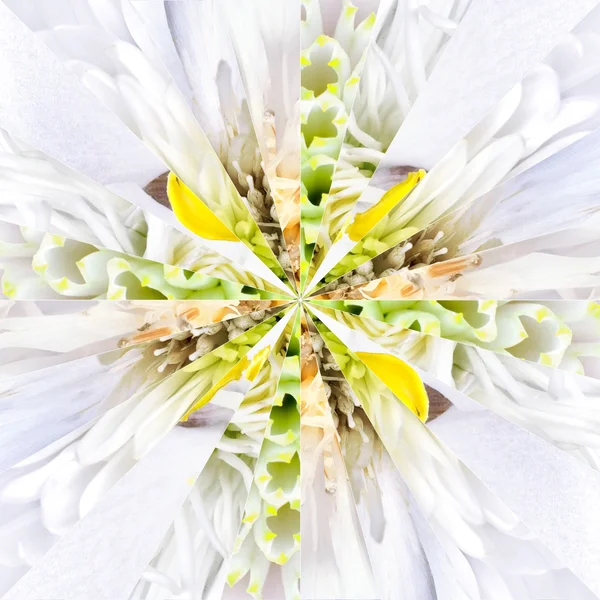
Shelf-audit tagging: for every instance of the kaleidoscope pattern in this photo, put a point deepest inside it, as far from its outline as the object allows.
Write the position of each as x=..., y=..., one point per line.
x=299, y=300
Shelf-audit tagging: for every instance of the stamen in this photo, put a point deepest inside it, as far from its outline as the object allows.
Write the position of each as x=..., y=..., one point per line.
x=230, y=131
x=270, y=134
x=236, y=165
x=409, y=289
x=191, y=314
x=454, y=266
x=150, y=335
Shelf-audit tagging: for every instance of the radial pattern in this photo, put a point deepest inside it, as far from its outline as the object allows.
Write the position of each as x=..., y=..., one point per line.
x=299, y=300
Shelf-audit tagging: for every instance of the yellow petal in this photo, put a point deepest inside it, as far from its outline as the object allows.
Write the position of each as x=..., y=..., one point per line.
x=401, y=379
x=234, y=374
x=194, y=214
x=364, y=222
x=257, y=363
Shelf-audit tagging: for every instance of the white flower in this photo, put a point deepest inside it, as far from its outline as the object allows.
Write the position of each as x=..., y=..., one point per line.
x=299, y=299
